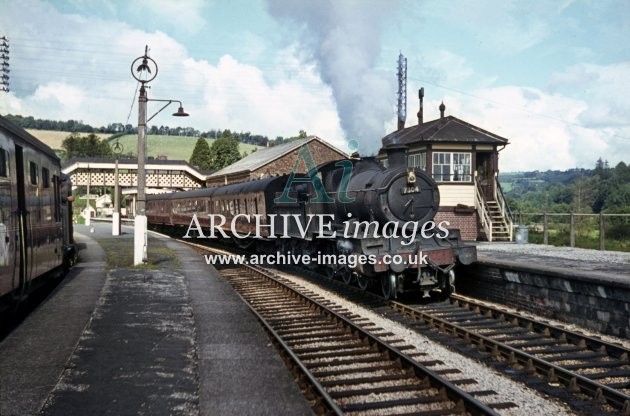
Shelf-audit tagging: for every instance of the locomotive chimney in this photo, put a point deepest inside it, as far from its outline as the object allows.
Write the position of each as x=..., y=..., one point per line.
x=397, y=155
x=421, y=96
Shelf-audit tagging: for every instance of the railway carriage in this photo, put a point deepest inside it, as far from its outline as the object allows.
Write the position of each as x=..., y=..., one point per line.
x=35, y=225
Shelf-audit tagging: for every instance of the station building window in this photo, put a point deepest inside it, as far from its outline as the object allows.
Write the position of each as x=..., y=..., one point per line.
x=452, y=167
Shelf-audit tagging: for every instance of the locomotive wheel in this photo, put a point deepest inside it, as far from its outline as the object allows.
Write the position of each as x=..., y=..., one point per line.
x=346, y=276
x=362, y=281
x=388, y=285
x=331, y=273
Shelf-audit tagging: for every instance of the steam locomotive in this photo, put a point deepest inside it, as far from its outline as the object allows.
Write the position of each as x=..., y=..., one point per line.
x=35, y=214
x=354, y=219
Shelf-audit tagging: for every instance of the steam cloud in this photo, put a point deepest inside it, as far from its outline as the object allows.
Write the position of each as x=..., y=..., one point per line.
x=343, y=37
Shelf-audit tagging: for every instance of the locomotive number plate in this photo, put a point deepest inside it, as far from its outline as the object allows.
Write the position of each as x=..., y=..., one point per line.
x=411, y=190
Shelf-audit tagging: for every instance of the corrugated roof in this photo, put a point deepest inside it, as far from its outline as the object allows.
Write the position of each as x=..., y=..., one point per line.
x=264, y=156
x=446, y=130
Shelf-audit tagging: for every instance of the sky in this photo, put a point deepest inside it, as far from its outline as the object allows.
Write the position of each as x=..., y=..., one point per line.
x=552, y=76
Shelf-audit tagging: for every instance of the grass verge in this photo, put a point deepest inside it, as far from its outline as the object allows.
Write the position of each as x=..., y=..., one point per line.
x=119, y=255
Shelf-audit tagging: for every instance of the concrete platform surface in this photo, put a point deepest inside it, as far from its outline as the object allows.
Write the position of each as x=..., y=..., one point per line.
x=605, y=267
x=168, y=339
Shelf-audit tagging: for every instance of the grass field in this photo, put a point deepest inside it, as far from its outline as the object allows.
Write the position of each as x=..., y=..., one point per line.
x=174, y=147
x=54, y=138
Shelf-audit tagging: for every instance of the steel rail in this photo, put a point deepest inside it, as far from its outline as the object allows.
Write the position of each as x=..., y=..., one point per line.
x=556, y=374
x=324, y=398
x=563, y=335
x=464, y=401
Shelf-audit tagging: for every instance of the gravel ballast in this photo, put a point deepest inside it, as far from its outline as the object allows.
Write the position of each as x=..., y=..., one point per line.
x=528, y=400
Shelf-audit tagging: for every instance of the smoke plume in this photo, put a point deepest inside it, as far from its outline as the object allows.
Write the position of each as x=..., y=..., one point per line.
x=344, y=40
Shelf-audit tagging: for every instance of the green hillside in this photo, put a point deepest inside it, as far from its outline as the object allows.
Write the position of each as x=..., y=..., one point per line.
x=174, y=147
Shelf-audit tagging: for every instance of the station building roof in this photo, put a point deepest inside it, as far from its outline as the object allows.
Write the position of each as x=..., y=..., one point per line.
x=267, y=155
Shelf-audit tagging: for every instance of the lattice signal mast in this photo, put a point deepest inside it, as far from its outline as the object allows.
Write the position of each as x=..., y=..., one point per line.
x=402, y=91
x=4, y=63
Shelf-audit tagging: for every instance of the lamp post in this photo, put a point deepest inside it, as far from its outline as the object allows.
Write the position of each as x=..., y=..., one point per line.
x=144, y=73
x=117, y=148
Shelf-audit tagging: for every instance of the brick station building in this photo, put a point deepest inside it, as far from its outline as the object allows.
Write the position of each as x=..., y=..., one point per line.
x=275, y=160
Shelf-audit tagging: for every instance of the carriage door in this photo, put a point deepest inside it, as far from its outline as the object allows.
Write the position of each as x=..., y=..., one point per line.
x=19, y=216
x=7, y=224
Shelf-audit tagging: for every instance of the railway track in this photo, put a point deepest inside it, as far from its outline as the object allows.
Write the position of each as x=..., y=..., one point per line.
x=589, y=373
x=348, y=369
x=585, y=365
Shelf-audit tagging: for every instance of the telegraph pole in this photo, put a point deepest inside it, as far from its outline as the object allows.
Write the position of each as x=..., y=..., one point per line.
x=402, y=91
x=4, y=62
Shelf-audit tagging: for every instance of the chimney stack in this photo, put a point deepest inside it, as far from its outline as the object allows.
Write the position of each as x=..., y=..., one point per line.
x=396, y=155
x=421, y=96
x=442, y=108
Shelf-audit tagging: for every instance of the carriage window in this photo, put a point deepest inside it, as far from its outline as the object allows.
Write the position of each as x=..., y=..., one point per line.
x=45, y=178
x=4, y=159
x=33, y=169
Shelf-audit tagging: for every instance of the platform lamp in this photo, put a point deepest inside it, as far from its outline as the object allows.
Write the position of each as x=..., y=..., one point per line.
x=145, y=72
x=117, y=148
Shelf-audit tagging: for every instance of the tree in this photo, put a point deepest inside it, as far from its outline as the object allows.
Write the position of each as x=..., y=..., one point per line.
x=224, y=151
x=201, y=155
x=85, y=146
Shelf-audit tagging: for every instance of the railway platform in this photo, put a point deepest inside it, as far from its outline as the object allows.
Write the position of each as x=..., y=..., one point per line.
x=606, y=266
x=171, y=338
x=589, y=288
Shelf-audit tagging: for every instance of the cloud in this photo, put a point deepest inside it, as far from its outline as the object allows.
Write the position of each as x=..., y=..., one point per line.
x=86, y=76
x=544, y=129
x=506, y=27
x=184, y=17
x=606, y=89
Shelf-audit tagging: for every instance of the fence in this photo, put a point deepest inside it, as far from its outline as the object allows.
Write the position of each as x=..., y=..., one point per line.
x=584, y=230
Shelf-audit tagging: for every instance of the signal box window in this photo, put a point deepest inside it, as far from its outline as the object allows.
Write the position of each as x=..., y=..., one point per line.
x=419, y=160
x=452, y=167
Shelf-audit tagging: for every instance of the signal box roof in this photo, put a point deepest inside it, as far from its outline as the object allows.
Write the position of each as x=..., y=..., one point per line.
x=448, y=129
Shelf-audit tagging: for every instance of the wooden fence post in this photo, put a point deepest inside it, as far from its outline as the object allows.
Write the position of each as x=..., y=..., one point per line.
x=602, y=237
x=572, y=230
x=545, y=228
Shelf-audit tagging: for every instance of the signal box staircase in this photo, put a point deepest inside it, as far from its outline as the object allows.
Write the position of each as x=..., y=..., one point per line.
x=494, y=213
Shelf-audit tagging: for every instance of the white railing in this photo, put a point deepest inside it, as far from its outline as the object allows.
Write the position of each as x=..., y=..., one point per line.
x=506, y=213
x=480, y=205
